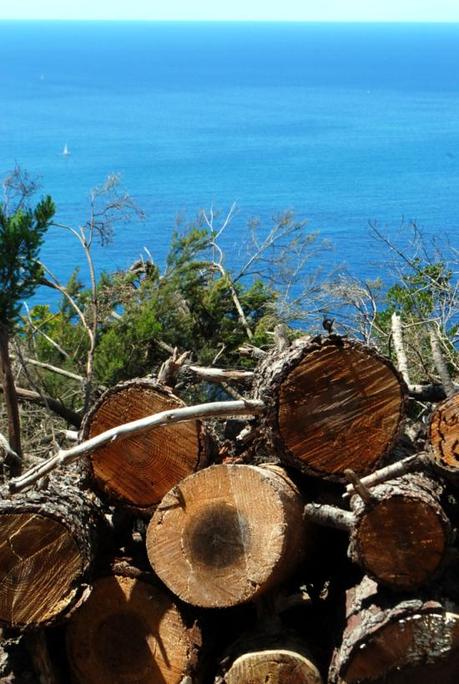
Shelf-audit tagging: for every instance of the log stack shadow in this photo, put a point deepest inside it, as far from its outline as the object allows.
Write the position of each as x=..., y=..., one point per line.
x=306, y=561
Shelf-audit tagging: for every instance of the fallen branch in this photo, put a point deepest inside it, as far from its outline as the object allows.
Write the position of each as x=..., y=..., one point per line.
x=53, y=369
x=170, y=369
x=54, y=405
x=66, y=456
x=407, y=465
x=252, y=351
x=329, y=516
x=402, y=360
x=429, y=392
x=220, y=374
x=440, y=364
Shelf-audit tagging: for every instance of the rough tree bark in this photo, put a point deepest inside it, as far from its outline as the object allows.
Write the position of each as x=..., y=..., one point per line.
x=399, y=534
x=48, y=540
x=11, y=403
x=332, y=404
x=227, y=534
x=402, y=641
x=130, y=629
x=402, y=535
x=141, y=469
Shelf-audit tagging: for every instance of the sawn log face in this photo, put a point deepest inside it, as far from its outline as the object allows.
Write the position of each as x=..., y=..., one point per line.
x=141, y=469
x=227, y=534
x=332, y=404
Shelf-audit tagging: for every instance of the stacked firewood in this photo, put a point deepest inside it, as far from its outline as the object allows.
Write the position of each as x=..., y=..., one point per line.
x=310, y=538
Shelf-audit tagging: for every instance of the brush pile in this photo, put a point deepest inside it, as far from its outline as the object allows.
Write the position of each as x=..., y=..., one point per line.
x=310, y=540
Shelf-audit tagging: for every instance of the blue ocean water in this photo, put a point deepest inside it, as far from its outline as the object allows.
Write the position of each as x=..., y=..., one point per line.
x=341, y=123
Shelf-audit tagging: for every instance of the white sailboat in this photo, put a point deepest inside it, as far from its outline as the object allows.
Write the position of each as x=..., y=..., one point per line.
x=66, y=151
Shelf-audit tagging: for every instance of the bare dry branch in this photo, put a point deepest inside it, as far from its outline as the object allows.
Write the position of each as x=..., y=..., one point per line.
x=407, y=465
x=402, y=360
x=48, y=402
x=64, y=457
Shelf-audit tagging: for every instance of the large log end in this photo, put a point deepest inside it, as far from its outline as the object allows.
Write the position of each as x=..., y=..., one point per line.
x=139, y=470
x=226, y=534
x=332, y=404
x=129, y=630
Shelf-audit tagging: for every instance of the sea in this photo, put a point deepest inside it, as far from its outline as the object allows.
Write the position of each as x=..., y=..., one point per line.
x=343, y=124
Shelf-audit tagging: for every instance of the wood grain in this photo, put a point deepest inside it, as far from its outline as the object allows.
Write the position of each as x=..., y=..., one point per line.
x=130, y=631
x=141, y=469
x=226, y=534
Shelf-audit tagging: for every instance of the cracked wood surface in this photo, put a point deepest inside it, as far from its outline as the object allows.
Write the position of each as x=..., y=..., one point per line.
x=47, y=544
x=227, y=534
x=332, y=404
x=141, y=469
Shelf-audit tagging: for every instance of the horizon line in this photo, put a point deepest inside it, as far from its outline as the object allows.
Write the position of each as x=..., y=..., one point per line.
x=229, y=21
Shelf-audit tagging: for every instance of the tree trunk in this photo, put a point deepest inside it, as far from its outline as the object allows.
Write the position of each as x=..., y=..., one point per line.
x=332, y=404
x=413, y=640
x=141, y=469
x=227, y=534
x=47, y=544
x=11, y=403
x=444, y=437
x=130, y=630
x=401, y=536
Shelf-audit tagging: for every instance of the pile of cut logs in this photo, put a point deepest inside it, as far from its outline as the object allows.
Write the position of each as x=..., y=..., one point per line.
x=309, y=538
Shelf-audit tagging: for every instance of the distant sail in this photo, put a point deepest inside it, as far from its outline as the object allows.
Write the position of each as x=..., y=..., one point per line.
x=66, y=151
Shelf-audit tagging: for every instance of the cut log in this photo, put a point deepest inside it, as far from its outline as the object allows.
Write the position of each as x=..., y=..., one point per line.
x=276, y=666
x=139, y=470
x=130, y=630
x=47, y=544
x=415, y=640
x=444, y=436
x=402, y=535
x=332, y=404
x=262, y=655
x=227, y=534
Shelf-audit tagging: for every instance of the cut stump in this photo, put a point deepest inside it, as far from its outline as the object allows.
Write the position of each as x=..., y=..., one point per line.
x=227, y=534
x=332, y=404
x=130, y=631
x=48, y=540
x=139, y=470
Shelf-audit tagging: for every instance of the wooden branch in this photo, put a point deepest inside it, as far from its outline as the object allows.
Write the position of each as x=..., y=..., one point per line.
x=358, y=485
x=429, y=392
x=329, y=516
x=54, y=405
x=440, y=364
x=65, y=456
x=407, y=465
x=170, y=369
x=402, y=360
x=53, y=369
x=71, y=435
x=252, y=351
x=220, y=374
x=242, y=317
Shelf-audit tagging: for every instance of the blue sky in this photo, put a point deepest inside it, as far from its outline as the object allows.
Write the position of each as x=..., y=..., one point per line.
x=267, y=10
